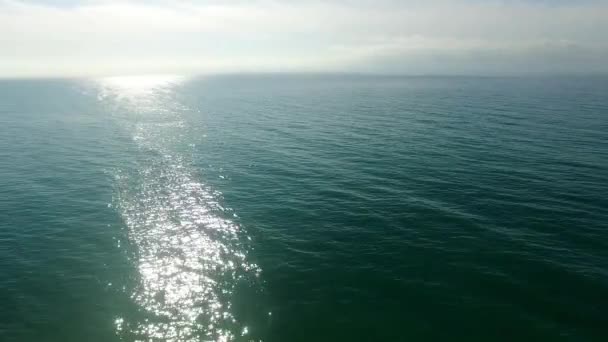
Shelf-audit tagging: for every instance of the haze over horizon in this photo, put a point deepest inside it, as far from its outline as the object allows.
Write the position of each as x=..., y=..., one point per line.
x=50, y=38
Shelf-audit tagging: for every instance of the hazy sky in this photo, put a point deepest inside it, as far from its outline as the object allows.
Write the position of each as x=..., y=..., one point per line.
x=109, y=37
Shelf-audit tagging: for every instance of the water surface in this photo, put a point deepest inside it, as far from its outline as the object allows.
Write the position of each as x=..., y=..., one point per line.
x=304, y=208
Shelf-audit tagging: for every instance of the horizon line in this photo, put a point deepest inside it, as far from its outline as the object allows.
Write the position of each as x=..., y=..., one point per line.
x=310, y=73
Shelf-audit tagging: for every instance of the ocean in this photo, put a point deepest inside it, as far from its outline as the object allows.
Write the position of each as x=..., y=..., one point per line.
x=278, y=207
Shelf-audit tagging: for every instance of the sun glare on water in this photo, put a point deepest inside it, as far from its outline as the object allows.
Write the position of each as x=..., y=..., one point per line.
x=139, y=85
x=189, y=254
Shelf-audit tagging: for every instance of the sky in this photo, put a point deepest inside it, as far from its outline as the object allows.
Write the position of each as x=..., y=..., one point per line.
x=40, y=38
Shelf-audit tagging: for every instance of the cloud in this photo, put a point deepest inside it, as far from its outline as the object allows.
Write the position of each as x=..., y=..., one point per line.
x=69, y=37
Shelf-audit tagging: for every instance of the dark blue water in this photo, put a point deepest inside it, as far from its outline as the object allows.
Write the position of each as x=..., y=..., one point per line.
x=304, y=208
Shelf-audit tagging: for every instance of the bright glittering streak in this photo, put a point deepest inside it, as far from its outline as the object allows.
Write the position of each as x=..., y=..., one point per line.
x=189, y=255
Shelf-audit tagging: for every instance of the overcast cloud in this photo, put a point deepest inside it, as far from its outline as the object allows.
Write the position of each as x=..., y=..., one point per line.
x=72, y=38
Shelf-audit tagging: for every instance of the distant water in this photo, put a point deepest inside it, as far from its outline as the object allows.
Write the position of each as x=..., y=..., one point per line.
x=304, y=208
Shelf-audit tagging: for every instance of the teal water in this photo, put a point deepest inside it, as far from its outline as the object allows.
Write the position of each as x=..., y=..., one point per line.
x=304, y=208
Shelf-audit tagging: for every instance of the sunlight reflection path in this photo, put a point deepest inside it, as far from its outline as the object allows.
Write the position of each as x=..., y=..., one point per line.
x=190, y=256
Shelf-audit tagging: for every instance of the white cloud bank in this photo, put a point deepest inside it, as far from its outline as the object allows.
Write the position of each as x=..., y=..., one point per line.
x=385, y=36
